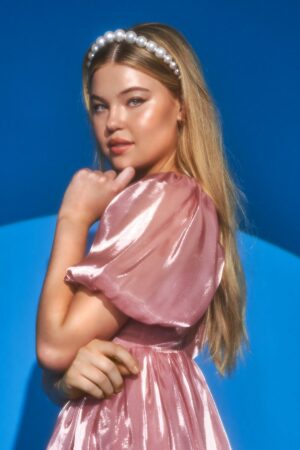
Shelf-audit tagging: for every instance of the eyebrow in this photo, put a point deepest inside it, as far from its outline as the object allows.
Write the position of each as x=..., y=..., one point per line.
x=132, y=88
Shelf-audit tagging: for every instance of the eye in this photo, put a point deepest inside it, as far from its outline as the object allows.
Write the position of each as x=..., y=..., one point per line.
x=138, y=99
x=95, y=108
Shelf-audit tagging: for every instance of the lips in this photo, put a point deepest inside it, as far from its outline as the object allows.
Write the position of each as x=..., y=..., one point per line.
x=119, y=145
x=118, y=140
x=120, y=148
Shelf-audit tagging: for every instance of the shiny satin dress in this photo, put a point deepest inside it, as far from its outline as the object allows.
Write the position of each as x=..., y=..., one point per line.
x=157, y=258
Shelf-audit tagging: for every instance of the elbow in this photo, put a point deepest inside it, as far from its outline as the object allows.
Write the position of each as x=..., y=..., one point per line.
x=52, y=359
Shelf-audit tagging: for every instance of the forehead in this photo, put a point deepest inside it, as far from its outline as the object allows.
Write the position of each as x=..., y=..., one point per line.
x=113, y=78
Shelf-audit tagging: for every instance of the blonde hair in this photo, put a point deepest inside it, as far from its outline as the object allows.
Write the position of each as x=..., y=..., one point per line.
x=199, y=154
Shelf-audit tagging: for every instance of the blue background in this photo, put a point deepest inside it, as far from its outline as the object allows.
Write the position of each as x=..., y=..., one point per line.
x=250, y=56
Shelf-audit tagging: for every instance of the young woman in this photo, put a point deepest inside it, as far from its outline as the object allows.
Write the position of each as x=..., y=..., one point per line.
x=163, y=277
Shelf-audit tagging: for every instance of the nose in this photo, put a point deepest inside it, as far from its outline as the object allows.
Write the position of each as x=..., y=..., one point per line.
x=115, y=118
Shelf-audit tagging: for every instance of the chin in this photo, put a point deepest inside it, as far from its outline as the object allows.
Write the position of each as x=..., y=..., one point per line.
x=120, y=165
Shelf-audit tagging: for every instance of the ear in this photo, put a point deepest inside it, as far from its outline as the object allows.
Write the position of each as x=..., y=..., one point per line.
x=181, y=113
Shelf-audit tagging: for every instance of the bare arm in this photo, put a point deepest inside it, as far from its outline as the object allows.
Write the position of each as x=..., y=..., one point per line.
x=68, y=249
x=67, y=318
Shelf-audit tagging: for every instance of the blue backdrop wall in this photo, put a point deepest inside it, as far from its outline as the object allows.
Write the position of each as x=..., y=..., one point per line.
x=249, y=53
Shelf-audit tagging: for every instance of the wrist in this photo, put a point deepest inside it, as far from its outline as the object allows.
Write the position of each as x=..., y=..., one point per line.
x=73, y=219
x=68, y=393
x=61, y=389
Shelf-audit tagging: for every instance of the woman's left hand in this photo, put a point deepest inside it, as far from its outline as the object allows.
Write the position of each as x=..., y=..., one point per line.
x=97, y=370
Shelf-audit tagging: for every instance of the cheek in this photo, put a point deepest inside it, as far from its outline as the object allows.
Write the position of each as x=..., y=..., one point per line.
x=155, y=121
x=98, y=128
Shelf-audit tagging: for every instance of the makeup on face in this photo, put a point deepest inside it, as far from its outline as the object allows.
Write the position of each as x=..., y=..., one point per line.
x=134, y=117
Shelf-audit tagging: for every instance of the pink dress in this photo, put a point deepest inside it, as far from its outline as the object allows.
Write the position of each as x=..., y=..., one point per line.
x=156, y=256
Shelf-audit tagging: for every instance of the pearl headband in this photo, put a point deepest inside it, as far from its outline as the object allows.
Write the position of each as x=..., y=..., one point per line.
x=132, y=38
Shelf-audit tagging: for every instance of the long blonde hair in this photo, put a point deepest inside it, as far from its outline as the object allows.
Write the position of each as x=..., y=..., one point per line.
x=200, y=154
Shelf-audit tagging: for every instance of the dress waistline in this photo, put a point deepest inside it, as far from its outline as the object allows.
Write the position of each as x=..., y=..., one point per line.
x=156, y=348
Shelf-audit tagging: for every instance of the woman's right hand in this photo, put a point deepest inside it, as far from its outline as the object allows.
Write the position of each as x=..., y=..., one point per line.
x=90, y=191
x=97, y=370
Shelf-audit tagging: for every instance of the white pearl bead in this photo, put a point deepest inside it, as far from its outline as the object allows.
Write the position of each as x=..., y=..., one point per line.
x=109, y=36
x=151, y=46
x=167, y=58
x=141, y=41
x=160, y=52
x=100, y=41
x=120, y=35
x=130, y=36
x=95, y=47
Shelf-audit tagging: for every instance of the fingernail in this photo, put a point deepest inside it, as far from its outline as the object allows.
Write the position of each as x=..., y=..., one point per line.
x=135, y=369
x=124, y=174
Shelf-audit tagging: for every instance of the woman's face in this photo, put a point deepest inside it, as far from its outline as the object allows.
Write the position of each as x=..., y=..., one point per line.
x=129, y=104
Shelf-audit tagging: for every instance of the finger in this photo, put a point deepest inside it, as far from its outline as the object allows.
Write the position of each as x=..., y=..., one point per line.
x=108, y=175
x=108, y=368
x=111, y=174
x=124, y=177
x=99, y=378
x=122, y=369
x=119, y=353
x=100, y=174
x=88, y=387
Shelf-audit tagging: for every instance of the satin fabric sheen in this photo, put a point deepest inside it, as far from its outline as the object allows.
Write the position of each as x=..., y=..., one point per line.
x=156, y=256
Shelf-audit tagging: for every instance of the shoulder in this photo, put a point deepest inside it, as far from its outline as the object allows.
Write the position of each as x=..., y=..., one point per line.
x=160, y=187
x=166, y=199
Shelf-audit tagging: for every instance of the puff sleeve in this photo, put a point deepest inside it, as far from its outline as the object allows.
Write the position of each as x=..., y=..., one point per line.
x=156, y=254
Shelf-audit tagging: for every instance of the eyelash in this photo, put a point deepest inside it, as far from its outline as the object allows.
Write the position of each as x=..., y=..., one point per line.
x=95, y=107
